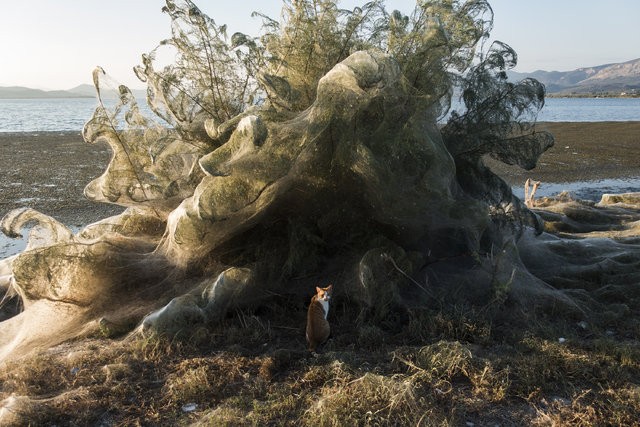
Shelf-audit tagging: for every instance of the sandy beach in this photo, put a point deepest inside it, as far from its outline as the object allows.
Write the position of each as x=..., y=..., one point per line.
x=48, y=171
x=583, y=151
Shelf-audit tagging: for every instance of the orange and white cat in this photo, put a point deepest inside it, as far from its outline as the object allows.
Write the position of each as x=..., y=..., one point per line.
x=317, y=325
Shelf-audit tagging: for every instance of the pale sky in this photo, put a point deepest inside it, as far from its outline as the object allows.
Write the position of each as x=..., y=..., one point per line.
x=55, y=44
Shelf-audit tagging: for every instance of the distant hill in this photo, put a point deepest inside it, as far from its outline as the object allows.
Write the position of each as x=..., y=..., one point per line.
x=622, y=79
x=82, y=91
x=89, y=90
x=19, y=92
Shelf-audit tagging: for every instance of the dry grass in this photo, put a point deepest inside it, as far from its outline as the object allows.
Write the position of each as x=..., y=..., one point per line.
x=371, y=400
x=439, y=368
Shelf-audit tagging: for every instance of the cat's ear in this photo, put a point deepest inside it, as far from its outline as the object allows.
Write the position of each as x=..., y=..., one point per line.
x=318, y=290
x=329, y=288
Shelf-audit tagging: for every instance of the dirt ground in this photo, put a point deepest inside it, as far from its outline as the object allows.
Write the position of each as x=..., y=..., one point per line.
x=48, y=171
x=582, y=152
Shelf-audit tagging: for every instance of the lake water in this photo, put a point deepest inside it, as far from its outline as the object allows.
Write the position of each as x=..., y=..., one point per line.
x=590, y=110
x=39, y=115
x=34, y=115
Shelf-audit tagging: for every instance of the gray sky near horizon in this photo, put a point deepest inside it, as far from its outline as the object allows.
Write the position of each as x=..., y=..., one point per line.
x=55, y=44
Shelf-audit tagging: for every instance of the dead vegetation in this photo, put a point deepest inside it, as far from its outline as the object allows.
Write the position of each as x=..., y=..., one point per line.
x=436, y=367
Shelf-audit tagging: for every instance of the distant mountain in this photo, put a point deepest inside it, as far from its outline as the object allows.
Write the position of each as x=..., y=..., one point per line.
x=19, y=92
x=82, y=91
x=609, y=79
x=622, y=79
x=89, y=90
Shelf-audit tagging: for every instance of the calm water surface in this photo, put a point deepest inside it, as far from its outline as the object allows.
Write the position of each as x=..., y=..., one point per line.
x=33, y=115
x=590, y=110
x=39, y=115
x=586, y=110
x=27, y=115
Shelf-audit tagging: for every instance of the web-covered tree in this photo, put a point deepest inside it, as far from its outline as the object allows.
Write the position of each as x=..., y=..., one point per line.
x=312, y=153
x=434, y=46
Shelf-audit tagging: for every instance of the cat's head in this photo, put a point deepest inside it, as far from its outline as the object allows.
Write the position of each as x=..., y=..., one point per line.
x=324, y=294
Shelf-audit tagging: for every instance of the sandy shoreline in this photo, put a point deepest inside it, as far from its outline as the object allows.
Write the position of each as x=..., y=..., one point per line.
x=48, y=171
x=583, y=151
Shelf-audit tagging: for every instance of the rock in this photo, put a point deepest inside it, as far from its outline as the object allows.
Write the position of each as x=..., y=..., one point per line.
x=189, y=407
